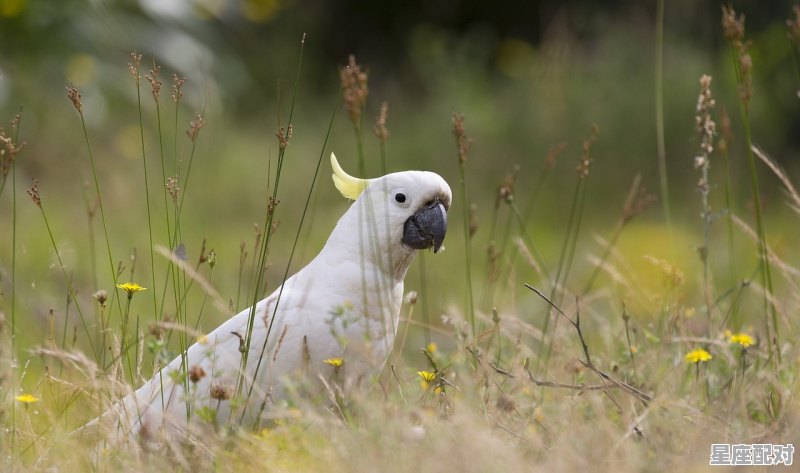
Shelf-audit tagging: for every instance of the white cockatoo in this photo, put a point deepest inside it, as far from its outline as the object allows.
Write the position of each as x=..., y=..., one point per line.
x=341, y=309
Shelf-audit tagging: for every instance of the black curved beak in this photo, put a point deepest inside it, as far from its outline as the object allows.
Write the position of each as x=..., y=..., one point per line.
x=426, y=228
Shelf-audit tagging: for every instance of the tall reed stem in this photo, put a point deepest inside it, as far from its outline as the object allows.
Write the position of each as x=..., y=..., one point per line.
x=659, y=92
x=463, y=144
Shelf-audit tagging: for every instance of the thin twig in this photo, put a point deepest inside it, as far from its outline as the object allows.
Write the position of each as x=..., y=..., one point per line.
x=641, y=396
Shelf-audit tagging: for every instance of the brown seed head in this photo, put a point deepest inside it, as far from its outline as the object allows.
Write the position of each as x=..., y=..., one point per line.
x=272, y=204
x=379, y=128
x=284, y=136
x=505, y=191
x=732, y=26
x=75, y=98
x=133, y=67
x=196, y=373
x=745, y=72
x=177, y=85
x=8, y=149
x=462, y=141
x=33, y=192
x=704, y=124
x=221, y=392
x=173, y=188
x=354, y=89
x=101, y=296
x=155, y=84
x=194, y=127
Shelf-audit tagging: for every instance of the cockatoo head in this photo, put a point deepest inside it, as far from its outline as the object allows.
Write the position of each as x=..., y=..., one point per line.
x=409, y=208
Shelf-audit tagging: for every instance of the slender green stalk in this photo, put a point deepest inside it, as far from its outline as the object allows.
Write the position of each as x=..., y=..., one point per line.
x=423, y=296
x=124, y=347
x=13, y=300
x=524, y=216
x=732, y=257
x=382, y=145
x=264, y=250
x=147, y=203
x=296, y=239
x=568, y=249
x=180, y=287
x=742, y=64
x=67, y=280
x=467, y=247
x=462, y=145
x=99, y=199
x=659, y=92
x=564, y=266
x=766, y=272
x=158, y=313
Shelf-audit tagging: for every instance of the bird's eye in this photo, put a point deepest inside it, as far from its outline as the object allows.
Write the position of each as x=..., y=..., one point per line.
x=401, y=197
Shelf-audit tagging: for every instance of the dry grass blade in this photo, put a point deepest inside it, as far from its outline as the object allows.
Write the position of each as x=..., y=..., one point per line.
x=776, y=168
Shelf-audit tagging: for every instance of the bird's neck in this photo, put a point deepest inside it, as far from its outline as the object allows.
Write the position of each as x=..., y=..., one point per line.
x=371, y=242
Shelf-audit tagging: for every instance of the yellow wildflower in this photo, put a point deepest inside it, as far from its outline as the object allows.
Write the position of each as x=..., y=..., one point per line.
x=335, y=362
x=27, y=398
x=742, y=339
x=130, y=288
x=427, y=375
x=634, y=349
x=427, y=378
x=698, y=355
x=432, y=347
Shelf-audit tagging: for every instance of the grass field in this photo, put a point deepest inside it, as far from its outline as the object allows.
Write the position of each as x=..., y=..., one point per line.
x=619, y=289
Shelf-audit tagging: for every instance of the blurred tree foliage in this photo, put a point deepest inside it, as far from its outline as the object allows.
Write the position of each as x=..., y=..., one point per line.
x=416, y=51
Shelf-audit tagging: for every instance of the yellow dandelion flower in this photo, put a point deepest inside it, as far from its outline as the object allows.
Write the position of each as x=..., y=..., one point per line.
x=27, y=398
x=130, y=288
x=742, y=339
x=427, y=375
x=335, y=362
x=432, y=347
x=426, y=378
x=698, y=355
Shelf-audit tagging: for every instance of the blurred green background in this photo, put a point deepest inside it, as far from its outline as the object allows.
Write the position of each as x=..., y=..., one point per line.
x=527, y=75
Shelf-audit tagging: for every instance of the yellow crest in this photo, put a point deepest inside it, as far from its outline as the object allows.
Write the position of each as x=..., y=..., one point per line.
x=349, y=186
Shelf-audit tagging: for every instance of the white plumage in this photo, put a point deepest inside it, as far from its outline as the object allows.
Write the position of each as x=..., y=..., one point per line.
x=344, y=304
